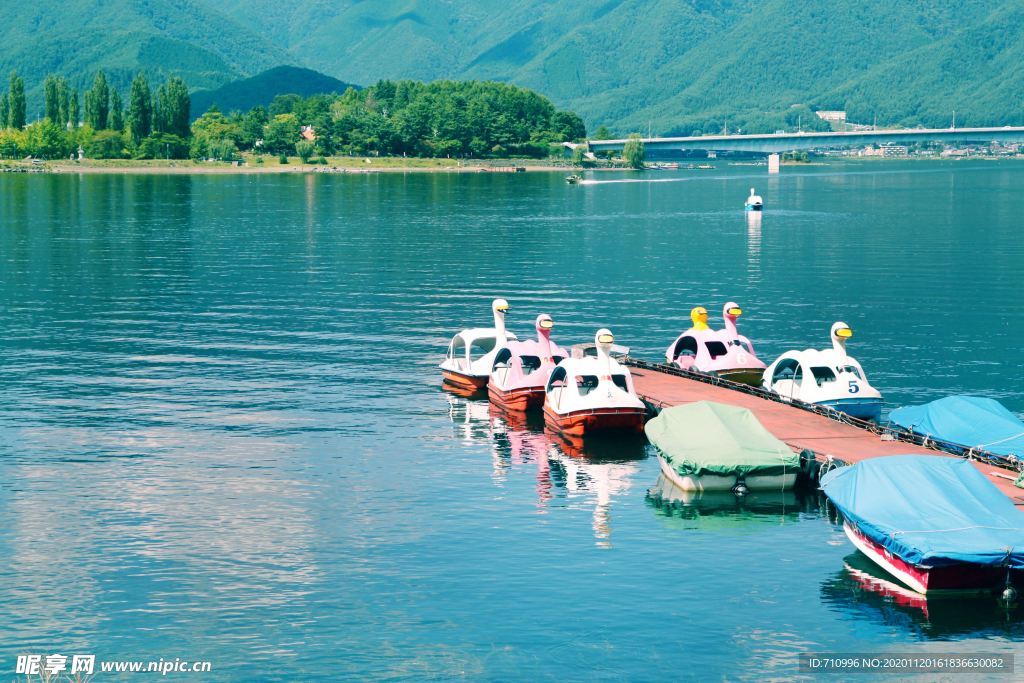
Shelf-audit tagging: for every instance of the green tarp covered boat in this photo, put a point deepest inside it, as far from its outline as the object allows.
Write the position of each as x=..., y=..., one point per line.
x=708, y=446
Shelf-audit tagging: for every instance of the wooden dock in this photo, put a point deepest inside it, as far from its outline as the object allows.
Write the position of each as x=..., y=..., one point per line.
x=800, y=429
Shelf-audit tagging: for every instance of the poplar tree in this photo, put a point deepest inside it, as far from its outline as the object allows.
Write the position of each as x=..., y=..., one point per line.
x=97, y=102
x=16, y=118
x=51, y=97
x=175, y=105
x=140, y=109
x=115, y=121
x=73, y=111
x=5, y=111
x=63, y=100
x=159, y=102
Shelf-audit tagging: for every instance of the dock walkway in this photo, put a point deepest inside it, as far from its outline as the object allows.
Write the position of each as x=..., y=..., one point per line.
x=800, y=429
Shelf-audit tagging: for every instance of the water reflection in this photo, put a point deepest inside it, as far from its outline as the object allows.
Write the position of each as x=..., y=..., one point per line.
x=592, y=471
x=471, y=420
x=712, y=510
x=862, y=590
x=754, y=245
x=596, y=471
x=519, y=442
x=227, y=533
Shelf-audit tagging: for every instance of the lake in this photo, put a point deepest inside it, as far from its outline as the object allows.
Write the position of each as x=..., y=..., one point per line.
x=223, y=437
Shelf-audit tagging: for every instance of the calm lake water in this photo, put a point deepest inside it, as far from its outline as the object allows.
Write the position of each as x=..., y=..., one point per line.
x=222, y=433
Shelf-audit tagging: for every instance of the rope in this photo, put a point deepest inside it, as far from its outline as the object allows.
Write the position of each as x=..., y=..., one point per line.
x=898, y=433
x=966, y=528
x=993, y=443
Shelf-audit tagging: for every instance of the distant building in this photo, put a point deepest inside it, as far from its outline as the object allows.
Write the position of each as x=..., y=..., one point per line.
x=888, y=150
x=832, y=116
x=894, y=150
x=308, y=133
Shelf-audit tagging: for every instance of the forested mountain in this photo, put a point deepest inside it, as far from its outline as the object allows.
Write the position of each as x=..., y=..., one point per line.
x=674, y=65
x=163, y=37
x=261, y=89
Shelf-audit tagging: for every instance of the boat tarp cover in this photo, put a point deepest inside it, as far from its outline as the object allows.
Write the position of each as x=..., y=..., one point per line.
x=712, y=438
x=929, y=510
x=969, y=421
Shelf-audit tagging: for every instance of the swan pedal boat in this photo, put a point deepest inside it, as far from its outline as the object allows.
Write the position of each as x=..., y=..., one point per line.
x=592, y=393
x=933, y=522
x=708, y=446
x=754, y=202
x=471, y=353
x=826, y=377
x=725, y=353
x=521, y=369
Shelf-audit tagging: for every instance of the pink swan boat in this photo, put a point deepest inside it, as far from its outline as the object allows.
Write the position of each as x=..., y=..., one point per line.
x=725, y=353
x=522, y=368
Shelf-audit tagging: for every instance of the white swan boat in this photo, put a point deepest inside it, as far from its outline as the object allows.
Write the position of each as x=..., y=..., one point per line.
x=471, y=352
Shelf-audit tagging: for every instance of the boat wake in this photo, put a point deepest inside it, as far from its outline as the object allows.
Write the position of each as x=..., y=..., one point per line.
x=633, y=180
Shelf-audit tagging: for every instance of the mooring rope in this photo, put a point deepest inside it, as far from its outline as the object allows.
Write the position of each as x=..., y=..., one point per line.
x=897, y=432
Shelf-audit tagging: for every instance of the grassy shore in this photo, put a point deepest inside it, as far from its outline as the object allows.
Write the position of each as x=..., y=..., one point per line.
x=271, y=164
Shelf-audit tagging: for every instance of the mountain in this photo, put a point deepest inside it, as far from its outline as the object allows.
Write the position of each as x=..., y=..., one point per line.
x=680, y=65
x=262, y=88
x=162, y=37
x=671, y=65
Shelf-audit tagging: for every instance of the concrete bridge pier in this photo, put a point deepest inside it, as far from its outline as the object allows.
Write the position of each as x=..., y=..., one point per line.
x=773, y=162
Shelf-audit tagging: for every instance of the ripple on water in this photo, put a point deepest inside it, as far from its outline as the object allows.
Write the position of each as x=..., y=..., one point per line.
x=223, y=435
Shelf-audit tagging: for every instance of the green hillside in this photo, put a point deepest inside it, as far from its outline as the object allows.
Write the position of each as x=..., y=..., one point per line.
x=162, y=37
x=682, y=65
x=262, y=88
x=673, y=65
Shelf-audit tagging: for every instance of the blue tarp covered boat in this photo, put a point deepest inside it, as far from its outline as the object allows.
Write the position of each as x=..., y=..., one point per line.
x=969, y=421
x=935, y=523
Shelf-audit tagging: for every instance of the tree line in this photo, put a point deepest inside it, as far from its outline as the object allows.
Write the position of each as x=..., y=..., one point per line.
x=396, y=118
x=153, y=123
x=401, y=118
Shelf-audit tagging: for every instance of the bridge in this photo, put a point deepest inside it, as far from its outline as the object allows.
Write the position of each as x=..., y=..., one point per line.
x=774, y=143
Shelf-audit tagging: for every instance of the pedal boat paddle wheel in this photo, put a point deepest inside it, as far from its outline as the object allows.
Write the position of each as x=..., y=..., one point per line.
x=826, y=377
x=471, y=352
x=521, y=369
x=592, y=393
x=725, y=353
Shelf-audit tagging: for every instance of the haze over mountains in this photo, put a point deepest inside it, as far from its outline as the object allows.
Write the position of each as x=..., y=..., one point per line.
x=673, y=65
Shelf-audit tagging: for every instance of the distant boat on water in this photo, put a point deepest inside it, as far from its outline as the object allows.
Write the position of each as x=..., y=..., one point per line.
x=754, y=202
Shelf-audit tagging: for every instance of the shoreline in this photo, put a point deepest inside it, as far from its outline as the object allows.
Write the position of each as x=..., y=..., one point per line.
x=359, y=166
x=339, y=166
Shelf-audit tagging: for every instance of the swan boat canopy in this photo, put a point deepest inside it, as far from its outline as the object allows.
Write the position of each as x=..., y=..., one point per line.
x=471, y=352
x=591, y=393
x=754, y=202
x=826, y=377
x=707, y=446
x=724, y=352
x=521, y=369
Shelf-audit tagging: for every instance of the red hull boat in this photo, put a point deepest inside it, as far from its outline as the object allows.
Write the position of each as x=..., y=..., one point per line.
x=516, y=399
x=580, y=422
x=935, y=523
x=960, y=578
x=471, y=383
